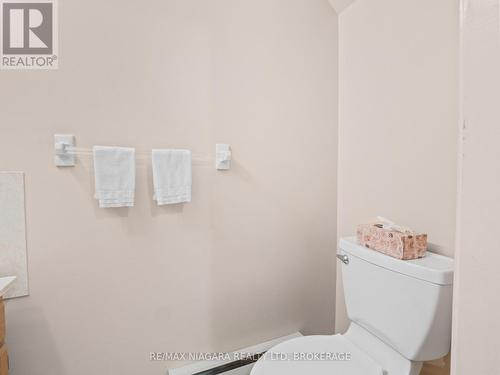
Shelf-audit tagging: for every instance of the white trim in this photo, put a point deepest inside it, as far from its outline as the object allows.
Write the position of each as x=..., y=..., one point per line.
x=207, y=365
x=458, y=226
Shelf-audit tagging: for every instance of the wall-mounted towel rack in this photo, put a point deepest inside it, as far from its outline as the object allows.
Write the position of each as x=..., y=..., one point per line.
x=65, y=152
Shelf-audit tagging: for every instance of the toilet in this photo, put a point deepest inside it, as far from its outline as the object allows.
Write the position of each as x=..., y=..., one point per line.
x=399, y=312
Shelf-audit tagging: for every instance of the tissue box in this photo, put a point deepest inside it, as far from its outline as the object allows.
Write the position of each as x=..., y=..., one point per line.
x=393, y=243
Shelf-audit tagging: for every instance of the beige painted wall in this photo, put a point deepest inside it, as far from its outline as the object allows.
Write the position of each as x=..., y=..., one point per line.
x=252, y=257
x=398, y=116
x=340, y=5
x=477, y=301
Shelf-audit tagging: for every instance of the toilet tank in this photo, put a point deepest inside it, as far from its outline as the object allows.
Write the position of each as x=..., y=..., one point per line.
x=406, y=304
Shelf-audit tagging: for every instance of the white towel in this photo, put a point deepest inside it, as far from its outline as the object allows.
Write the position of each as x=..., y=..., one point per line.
x=114, y=169
x=171, y=176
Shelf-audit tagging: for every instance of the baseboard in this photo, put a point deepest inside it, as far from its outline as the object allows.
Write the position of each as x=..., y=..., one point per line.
x=239, y=367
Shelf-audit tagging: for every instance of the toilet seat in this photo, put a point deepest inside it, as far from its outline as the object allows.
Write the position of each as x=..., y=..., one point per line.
x=289, y=358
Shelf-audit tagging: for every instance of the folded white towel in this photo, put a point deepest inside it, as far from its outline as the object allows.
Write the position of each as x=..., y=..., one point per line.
x=114, y=169
x=171, y=176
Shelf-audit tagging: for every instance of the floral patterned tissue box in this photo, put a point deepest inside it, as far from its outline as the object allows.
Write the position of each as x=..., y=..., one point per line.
x=400, y=245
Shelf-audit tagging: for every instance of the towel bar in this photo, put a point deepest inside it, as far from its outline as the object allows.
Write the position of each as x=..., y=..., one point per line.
x=65, y=152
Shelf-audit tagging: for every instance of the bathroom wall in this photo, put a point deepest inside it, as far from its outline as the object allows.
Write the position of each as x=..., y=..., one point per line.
x=340, y=5
x=398, y=116
x=251, y=258
x=477, y=301
x=13, y=257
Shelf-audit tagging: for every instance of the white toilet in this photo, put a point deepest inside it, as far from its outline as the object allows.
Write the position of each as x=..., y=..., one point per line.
x=400, y=313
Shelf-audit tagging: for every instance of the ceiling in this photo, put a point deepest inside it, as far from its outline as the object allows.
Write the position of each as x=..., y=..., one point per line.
x=340, y=5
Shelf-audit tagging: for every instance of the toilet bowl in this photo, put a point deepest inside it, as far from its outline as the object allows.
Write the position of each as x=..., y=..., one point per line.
x=400, y=313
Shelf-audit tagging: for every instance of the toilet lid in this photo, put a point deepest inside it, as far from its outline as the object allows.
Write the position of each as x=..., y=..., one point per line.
x=318, y=355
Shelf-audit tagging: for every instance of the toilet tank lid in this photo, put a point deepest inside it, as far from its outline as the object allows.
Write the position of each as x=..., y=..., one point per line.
x=433, y=268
